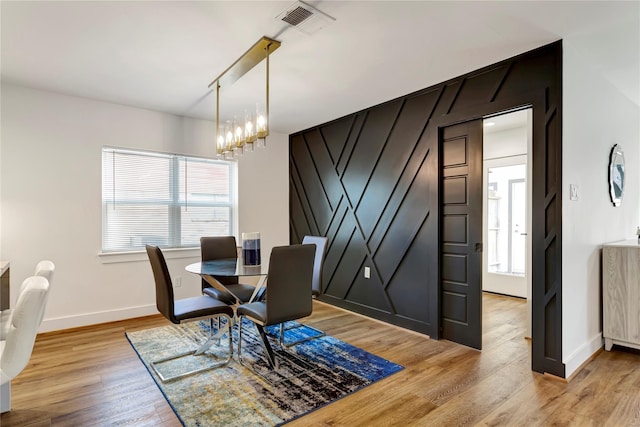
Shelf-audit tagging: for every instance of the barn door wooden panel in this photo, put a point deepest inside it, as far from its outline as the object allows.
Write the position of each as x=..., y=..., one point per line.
x=461, y=233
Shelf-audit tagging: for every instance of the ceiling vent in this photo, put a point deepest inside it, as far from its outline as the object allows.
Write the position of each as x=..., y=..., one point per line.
x=305, y=18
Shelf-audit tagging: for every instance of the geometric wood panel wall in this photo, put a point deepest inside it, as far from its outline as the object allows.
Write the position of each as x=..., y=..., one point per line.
x=370, y=183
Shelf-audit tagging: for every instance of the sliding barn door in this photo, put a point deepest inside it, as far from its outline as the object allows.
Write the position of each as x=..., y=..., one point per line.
x=461, y=233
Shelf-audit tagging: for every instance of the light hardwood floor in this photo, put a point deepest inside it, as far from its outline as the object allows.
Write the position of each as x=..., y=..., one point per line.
x=92, y=377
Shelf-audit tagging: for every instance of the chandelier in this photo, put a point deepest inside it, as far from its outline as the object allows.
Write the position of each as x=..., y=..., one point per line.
x=237, y=136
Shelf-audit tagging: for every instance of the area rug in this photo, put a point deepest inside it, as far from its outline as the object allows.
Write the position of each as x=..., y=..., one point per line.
x=319, y=372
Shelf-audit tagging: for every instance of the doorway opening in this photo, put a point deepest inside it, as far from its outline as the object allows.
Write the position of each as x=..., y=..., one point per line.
x=506, y=259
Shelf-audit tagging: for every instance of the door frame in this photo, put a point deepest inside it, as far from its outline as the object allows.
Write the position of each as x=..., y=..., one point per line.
x=546, y=291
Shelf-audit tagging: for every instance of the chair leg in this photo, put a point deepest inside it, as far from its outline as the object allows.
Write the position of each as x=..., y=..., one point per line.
x=213, y=337
x=284, y=344
x=271, y=358
x=200, y=351
x=5, y=397
x=267, y=347
x=273, y=361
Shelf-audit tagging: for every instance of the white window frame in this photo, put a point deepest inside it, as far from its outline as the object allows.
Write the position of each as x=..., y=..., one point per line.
x=175, y=249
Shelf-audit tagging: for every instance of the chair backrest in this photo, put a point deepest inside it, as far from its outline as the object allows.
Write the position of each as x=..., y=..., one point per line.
x=219, y=247
x=21, y=333
x=289, y=283
x=318, y=263
x=45, y=269
x=164, y=288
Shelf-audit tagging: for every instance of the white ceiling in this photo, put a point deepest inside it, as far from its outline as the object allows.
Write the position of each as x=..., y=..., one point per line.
x=162, y=55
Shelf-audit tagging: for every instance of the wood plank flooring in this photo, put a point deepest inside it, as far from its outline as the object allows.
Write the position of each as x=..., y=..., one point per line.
x=92, y=377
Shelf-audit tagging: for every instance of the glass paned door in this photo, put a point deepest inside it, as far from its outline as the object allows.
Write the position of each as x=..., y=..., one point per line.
x=506, y=216
x=517, y=218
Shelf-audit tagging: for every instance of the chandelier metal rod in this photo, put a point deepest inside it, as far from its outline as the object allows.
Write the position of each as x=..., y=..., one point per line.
x=247, y=61
x=217, y=111
x=267, y=95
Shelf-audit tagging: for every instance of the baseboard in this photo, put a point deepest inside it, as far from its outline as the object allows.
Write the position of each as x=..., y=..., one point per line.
x=420, y=334
x=576, y=360
x=87, y=319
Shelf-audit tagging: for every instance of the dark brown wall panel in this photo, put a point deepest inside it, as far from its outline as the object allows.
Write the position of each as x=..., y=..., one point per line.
x=370, y=293
x=335, y=134
x=371, y=183
x=297, y=221
x=450, y=91
x=420, y=160
x=414, y=269
x=403, y=229
x=347, y=149
x=312, y=187
x=479, y=87
x=393, y=160
x=344, y=257
x=363, y=158
x=322, y=161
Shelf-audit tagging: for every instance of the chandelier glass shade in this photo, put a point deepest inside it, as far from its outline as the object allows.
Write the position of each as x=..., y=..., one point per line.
x=252, y=128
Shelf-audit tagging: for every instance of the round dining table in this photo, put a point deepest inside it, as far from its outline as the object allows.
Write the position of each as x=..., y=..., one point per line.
x=229, y=267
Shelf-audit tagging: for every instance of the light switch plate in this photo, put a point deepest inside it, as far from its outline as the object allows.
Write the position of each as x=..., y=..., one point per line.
x=573, y=192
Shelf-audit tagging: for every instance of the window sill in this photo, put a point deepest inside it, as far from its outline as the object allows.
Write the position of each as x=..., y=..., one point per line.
x=137, y=256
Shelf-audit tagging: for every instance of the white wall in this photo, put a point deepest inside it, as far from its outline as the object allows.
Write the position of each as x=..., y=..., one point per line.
x=510, y=142
x=596, y=116
x=51, y=199
x=264, y=188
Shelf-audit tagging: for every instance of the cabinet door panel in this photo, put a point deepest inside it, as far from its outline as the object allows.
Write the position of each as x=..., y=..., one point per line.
x=621, y=294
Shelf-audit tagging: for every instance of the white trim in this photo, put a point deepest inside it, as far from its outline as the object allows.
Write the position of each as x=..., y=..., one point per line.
x=582, y=354
x=135, y=256
x=86, y=319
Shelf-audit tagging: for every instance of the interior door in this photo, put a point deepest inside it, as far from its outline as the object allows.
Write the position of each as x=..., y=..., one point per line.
x=461, y=233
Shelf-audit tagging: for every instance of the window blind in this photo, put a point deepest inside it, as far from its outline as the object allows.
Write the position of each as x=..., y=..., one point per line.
x=164, y=199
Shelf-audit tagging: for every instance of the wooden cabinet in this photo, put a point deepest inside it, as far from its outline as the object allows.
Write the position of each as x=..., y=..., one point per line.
x=621, y=294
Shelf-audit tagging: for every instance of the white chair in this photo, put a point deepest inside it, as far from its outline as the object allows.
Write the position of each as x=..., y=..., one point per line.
x=15, y=350
x=44, y=269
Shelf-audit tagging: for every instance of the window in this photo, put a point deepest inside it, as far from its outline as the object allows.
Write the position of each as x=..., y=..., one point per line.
x=164, y=199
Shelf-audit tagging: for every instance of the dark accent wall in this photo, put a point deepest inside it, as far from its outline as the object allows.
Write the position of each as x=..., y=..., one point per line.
x=370, y=182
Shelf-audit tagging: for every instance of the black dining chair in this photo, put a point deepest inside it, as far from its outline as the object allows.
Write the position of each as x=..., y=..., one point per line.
x=318, y=263
x=187, y=310
x=316, y=286
x=288, y=294
x=223, y=247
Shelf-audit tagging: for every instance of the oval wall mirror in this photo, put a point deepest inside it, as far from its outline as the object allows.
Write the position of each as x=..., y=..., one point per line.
x=616, y=175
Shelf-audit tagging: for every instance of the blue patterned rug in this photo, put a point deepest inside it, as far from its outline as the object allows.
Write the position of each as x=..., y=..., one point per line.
x=235, y=396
